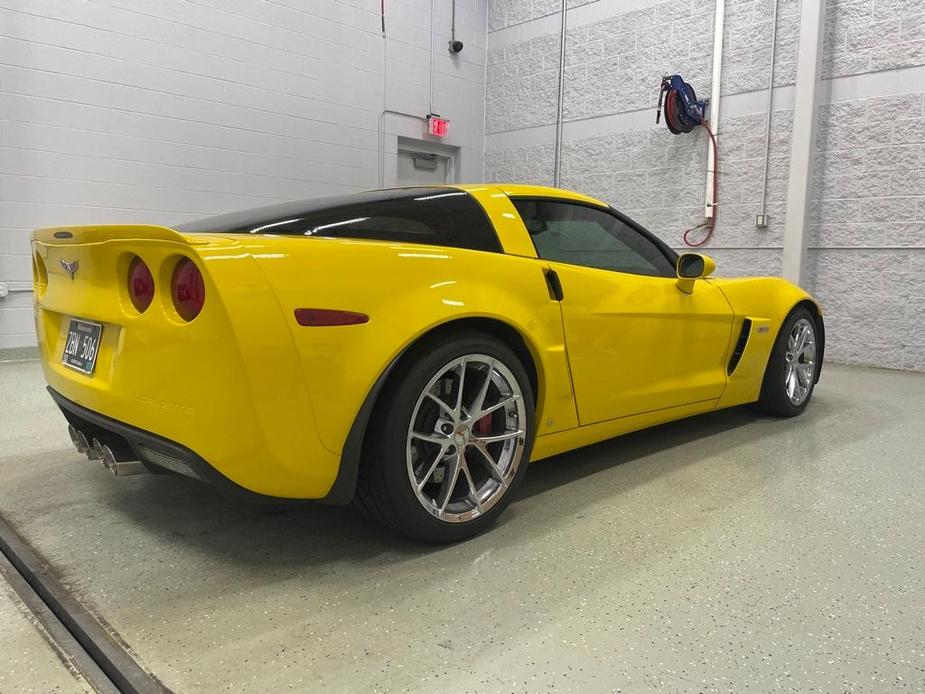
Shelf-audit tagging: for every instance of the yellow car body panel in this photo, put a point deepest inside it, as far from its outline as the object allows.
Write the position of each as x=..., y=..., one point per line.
x=766, y=301
x=270, y=404
x=637, y=344
x=227, y=385
x=408, y=290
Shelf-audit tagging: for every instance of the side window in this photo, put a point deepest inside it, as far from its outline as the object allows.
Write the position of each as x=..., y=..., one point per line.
x=455, y=220
x=580, y=235
x=436, y=216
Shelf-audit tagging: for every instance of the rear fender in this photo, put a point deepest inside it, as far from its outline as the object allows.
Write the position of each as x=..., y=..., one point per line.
x=227, y=385
x=407, y=291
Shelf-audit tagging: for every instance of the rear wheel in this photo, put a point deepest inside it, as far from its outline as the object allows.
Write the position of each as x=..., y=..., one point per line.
x=451, y=441
x=791, y=372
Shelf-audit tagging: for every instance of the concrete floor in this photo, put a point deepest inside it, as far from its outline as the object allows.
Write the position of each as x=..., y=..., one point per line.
x=727, y=553
x=30, y=662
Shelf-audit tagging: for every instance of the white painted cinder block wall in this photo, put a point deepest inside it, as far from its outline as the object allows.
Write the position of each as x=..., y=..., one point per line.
x=131, y=111
x=867, y=237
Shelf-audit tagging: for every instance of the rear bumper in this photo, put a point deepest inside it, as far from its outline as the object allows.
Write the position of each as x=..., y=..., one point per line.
x=229, y=385
x=159, y=452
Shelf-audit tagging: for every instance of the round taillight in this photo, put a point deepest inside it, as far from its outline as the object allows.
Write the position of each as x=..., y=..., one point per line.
x=188, y=289
x=140, y=285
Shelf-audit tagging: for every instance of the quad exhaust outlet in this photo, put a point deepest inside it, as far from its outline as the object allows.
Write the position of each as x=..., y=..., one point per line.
x=77, y=438
x=111, y=462
x=112, y=456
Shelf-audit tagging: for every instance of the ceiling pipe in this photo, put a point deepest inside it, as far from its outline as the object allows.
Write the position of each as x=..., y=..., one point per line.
x=557, y=167
x=718, y=28
x=430, y=108
x=380, y=119
x=767, y=122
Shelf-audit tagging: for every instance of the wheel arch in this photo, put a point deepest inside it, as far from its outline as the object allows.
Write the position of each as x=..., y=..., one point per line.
x=344, y=486
x=495, y=327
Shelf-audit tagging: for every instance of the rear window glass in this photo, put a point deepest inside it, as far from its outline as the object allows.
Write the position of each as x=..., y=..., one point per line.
x=436, y=216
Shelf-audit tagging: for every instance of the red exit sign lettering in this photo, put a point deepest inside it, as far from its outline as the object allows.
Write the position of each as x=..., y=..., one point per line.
x=438, y=127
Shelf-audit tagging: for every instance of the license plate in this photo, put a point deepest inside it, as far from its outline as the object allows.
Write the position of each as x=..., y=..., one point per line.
x=82, y=346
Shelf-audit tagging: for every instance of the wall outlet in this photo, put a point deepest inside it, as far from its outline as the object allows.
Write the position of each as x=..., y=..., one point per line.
x=4, y=289
x=761, y=221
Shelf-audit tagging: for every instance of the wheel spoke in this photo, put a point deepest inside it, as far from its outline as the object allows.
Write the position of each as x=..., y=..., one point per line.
x=491, y=464
x=433, y=467
x=431, y=438
x=791, y=382
x=460, y=387
x=494, y=438
x=498, y=405
x=479, y=402
x=473, y=494
x=444, y=406
x=450, y=478
x=801, y=343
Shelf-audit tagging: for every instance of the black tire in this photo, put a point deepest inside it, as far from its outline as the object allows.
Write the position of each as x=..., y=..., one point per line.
x=774, y=398
x=384, y=490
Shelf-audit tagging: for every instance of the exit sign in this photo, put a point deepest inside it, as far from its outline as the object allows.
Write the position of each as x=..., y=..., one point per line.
x=437, y=126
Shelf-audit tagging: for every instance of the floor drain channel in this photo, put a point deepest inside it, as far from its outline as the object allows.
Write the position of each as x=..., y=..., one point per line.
x=103, y=662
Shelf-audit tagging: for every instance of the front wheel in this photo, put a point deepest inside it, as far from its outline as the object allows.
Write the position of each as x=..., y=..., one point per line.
x=451, y=441
x=791, y=371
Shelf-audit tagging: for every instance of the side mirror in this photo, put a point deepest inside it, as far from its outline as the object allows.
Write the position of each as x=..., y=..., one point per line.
x=692, y=267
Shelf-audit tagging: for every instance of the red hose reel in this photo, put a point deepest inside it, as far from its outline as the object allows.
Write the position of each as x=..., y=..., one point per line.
x=683, y=112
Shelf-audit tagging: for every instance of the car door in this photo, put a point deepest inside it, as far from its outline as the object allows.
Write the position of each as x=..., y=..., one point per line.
x=636, y=343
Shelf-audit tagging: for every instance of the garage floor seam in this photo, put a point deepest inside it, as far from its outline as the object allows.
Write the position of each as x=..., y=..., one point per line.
x=105, y=664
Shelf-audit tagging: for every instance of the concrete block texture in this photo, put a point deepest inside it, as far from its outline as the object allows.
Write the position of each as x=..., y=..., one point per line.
x=659, y=179
x=867, y=217
x=614, y=64
x=616, y=58
x=860, y=35
x=868, y=187
x=874, y=302
x=873, y=35
x=867, y=230
x=525, y=84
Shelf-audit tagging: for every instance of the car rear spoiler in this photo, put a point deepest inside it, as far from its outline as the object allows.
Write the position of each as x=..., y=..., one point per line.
x=98, y=233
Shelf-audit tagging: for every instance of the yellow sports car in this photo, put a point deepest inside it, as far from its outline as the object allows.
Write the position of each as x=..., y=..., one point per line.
x=408, y=349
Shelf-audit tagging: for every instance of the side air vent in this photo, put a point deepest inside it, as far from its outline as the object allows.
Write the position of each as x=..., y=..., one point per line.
x=740, y=346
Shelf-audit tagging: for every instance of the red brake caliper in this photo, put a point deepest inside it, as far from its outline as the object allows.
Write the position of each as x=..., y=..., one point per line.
x=483, y=425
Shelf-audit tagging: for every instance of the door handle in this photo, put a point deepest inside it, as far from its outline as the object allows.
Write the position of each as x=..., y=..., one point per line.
x=554, y=285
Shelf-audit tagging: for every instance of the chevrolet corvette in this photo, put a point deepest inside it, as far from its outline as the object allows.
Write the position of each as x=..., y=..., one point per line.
x=408, y=350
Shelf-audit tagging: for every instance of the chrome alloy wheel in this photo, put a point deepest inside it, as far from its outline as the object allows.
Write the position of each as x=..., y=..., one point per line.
x=466, y=438
x=800, y=361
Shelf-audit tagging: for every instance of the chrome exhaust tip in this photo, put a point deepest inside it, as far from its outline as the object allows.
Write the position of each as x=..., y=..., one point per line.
x=99, y=453
x=78, y=439
x=85, y=447
x=117, y=467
